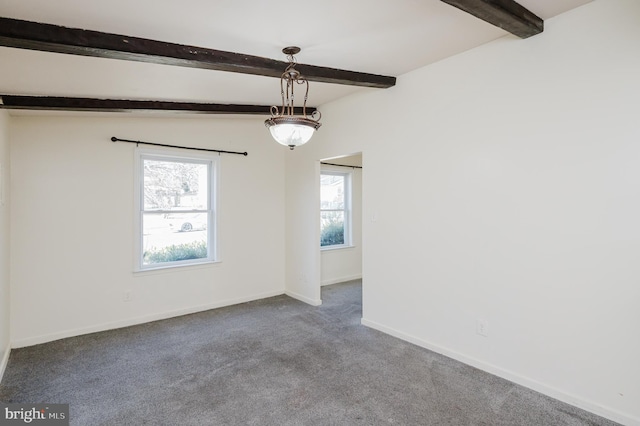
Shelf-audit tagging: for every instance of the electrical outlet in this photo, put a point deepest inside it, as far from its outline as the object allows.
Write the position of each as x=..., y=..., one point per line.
x=482, y=327
x=126, y=296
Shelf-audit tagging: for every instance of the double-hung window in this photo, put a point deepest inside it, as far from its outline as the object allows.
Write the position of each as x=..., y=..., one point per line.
x=175, y=208
x=335, y=209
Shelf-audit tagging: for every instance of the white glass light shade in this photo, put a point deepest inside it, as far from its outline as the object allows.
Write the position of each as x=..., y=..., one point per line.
x=291, y=134
x=291, y=131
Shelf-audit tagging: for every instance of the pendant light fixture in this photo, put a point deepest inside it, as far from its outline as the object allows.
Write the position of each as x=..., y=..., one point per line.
x=285, y=127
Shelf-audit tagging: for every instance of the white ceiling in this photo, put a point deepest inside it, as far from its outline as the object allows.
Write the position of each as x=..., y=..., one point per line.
x=376, y=36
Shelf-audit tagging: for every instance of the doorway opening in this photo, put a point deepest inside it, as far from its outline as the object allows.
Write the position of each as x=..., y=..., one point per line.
x=340, y=219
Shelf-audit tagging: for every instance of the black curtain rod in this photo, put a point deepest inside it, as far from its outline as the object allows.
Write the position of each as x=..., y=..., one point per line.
x=114, y=139
x=341, y=165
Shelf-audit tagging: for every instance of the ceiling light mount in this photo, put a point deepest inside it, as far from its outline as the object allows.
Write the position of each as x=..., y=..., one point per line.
x=291, y=50
x=285, y=127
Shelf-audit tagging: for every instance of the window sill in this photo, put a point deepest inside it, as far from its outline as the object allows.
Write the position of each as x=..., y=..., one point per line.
x=175, y=268
x=341, y=247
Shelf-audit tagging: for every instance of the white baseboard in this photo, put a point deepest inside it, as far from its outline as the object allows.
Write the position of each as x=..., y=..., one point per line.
x=553, y=392
x=30, y=341
x=4, y=361
x=341, y=279
x=305, y=299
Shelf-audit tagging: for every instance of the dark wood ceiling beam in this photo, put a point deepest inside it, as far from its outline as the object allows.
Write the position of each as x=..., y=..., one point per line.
x=506, y=14
x=53, y=38
x=54, y=103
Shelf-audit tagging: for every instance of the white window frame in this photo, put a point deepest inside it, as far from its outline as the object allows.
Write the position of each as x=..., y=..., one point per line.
x=347, y=208
x=212, y=162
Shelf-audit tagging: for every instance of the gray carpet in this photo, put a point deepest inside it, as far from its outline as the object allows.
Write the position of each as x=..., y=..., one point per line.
x=272, y=362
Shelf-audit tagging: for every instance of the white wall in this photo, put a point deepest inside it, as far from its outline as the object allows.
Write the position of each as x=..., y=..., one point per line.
x=303, y=228
x=72, y=233
x=344, y=264
x=503, y=184
x=5, y=343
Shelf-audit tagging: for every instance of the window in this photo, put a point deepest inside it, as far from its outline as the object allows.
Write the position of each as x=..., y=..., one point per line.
x=175, y=209
x=335, y=209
